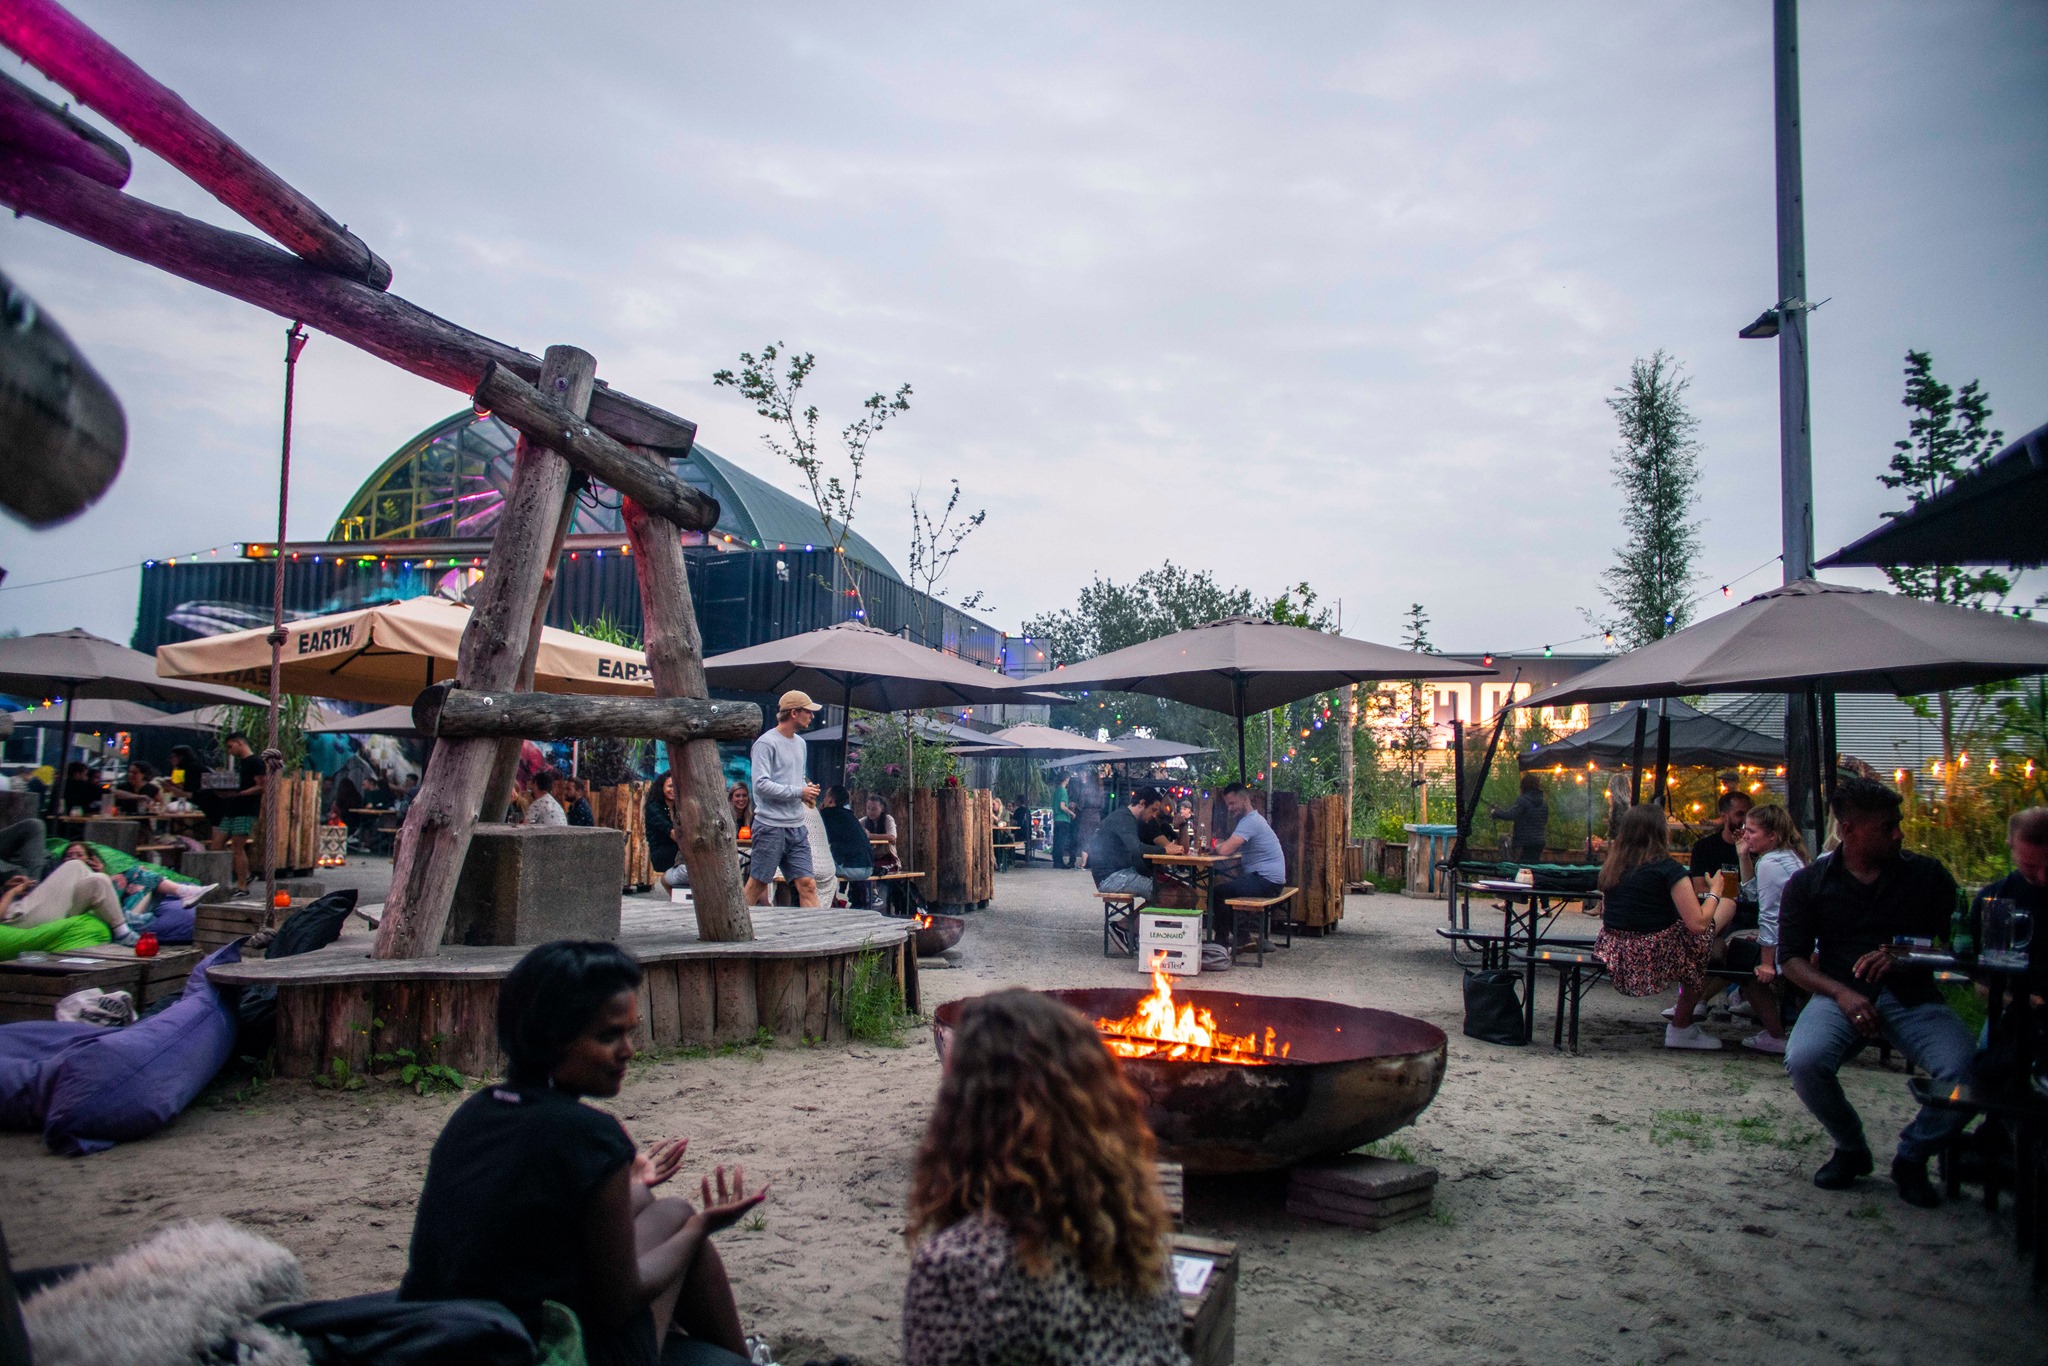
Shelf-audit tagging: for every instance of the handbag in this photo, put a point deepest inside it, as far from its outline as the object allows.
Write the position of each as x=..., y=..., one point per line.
x=1493, y=1007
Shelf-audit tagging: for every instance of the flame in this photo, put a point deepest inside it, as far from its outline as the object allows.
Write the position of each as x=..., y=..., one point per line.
x=924, y=922
x=1156, y=1029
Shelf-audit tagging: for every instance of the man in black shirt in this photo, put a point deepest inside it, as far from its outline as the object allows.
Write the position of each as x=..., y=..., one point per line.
x=1838, y=916
x=1116, y=856
x=1716, y=849
x=236, y=828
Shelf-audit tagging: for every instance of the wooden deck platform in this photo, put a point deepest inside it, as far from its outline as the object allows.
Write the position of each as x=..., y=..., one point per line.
x=340, y=1003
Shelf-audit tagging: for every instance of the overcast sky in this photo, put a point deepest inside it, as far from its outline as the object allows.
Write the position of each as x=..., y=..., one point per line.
x=1322, y=292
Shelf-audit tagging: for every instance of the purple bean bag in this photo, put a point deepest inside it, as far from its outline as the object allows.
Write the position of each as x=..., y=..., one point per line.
x=174, y=922
x=25, y=1049
x=127, y=1083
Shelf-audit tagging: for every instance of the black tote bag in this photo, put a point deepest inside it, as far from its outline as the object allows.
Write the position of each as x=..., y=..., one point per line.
x=1493, y=1007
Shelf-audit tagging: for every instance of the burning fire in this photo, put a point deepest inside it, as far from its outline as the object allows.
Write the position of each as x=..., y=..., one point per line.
x=924, y=922
x=1157, y=1030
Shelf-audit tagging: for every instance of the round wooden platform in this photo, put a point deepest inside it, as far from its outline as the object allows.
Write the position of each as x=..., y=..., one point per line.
x=339, y=1003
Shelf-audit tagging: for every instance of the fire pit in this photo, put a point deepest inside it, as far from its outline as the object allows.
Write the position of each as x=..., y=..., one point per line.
x=937, y=933
x=1279, y=1080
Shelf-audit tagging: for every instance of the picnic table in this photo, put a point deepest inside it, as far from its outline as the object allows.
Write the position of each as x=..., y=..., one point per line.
x=1526, y=912
x=1199, y=870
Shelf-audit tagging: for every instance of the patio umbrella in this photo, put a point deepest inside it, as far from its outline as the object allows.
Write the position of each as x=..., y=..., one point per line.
x=382, y=721
x=1814, y=634
x=1242, y=665
x=211, y=718
x=1135, y=749
x=1045, y=740
x=1996, y=513
x=1695, y=738
x=80, y=666
x=110, y=714
x=387, y=653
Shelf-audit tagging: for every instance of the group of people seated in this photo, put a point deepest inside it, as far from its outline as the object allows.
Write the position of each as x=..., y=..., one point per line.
x=95, y=907
x=1038, y=1226
x=1827, y=928
x=1145, y=825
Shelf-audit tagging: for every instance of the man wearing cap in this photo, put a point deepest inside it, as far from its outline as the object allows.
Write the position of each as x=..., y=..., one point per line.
x=781, y=791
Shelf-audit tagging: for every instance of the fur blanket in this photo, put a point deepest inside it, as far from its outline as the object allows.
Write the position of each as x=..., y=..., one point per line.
x=184, y=1296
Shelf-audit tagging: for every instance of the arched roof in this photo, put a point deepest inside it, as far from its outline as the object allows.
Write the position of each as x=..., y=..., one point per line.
x=449, y=482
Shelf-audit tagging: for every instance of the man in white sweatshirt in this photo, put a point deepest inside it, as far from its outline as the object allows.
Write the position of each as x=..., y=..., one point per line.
x=781, y=792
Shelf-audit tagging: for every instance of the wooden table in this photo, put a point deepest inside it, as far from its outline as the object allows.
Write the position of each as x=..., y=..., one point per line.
x=1200, y=872
x=1525, y=912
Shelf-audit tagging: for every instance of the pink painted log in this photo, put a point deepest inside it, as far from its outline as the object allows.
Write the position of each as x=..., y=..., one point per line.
x=255, y=272
x=53, y=41
x=40, y=128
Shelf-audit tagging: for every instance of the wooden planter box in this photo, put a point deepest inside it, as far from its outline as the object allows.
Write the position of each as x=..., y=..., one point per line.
x=30, y=991
x=953, y=845
x=625, y=808
x=298, y=830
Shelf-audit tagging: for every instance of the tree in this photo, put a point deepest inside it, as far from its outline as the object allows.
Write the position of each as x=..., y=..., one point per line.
x=1412, y=739
x=1656, y=468
x=1950, y=434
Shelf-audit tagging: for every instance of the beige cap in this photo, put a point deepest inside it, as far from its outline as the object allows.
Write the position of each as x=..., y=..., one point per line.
x=796, y=700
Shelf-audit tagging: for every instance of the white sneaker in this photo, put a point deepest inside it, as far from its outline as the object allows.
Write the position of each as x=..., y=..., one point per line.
x=1765, y=1042
x=190, y=894
x=1671, y=1010
x=1690, y=1037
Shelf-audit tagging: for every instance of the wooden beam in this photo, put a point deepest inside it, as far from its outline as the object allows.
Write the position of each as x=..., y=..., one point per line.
x=54, y=42
x=644, y=478
x=505, y=767
x=42, y=128
x=447, y=711
x=435, y=840
x=675, y=656
x=66, y=433
x=255, y=272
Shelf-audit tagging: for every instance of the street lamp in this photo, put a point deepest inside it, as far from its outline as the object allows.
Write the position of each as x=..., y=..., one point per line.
x=1764, y=328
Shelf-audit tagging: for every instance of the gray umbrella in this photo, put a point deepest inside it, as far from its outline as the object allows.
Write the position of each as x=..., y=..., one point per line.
x=1814, y=634
x=1136, y=749
x=112, y=714
x=1996, y=513
x=1243, y=665
x=78, y=665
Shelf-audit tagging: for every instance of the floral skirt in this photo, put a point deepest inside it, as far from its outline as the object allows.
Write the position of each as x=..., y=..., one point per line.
x=1645, y=964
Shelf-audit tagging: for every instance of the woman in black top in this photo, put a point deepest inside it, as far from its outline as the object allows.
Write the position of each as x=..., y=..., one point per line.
x=533, y=1196
x=1654, y=932
x=1530, y=821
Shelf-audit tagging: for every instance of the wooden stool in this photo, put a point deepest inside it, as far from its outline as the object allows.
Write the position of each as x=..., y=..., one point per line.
x=1119, y=909
x=1263, y=906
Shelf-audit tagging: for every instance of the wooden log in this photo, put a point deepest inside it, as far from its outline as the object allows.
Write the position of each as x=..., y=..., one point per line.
x=695, y=1009
x=43, y=128
x=437, y=826
x=472, y=1044
x=735, y=1000
x=623, y=808
x=301, y=1030
x=90, y=67
x=817, y=999
x=664, y=1005
x=66, y=433
x=395, y=1021
x=241, y=267
x=644, y=478
x=704, y=830
x=446, y=711
x=780, y=986
x=437, y=1020
x=345, y=1008
x=643, y=1032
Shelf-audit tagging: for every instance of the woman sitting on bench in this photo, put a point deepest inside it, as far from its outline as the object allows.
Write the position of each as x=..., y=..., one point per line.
x=1772, y=851
x=1040, y=1229
x=532, y=1195
x=1654, y=932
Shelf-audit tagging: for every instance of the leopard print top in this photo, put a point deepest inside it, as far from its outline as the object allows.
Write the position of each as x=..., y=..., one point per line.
x=969, y=1303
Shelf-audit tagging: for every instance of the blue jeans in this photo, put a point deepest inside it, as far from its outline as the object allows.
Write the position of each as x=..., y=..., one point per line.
x=1127, y=880
x=1930, y=1036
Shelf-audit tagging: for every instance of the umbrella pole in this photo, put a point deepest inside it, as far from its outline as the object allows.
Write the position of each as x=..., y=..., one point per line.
x=1635, y=763
x=63, y=757
x=1242, y=772
x=294, y=342
x=1660, y=794
x=845, y=729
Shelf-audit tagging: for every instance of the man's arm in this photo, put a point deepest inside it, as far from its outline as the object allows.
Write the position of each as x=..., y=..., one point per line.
x=766, y=784
x=1795, y=956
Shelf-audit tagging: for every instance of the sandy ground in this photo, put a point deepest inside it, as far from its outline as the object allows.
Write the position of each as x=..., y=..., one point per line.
x=1627, y=1205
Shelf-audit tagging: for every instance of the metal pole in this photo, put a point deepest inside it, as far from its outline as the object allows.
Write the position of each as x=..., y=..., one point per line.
x=294, y=342
x=1795, y=434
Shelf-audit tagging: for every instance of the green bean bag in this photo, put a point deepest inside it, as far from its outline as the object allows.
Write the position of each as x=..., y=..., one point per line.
x=115, y=861
x=72, y=932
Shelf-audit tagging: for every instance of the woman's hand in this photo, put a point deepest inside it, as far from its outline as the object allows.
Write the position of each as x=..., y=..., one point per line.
x=1766, y=974
x=721, y=1209
x=660, y=1162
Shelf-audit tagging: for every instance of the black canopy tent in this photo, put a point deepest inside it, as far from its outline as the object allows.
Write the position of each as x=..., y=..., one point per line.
x=1695, y=739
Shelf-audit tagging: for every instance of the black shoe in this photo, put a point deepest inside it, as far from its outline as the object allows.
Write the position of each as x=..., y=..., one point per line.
x=1914, y=1187
x=1839, y=1172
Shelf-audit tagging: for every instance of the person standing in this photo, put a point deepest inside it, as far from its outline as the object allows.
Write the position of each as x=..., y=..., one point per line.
x=1262, y=866
x=1530, y=817
x=546, y=808
x=1837, y=918
x=1062, y=824
x=237, y=827
x=780, y=794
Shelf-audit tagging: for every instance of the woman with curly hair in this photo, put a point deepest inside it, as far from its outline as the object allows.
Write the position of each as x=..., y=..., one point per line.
x=1654, y=932
x=1040, y=1231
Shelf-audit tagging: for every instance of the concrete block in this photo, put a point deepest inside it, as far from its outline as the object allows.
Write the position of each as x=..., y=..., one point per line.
x=524, y=884
x=19, y=806
x=122, y=835
x=207, y=865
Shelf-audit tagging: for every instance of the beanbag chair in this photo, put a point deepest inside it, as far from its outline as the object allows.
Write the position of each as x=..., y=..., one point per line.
x=117, y=862
x=128, y=1083
x=173, y=922
x=306, y=929
x=72, y=932
x=24, y=1049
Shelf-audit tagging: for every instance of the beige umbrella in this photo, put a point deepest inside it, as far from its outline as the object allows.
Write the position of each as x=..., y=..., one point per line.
x=387, y=653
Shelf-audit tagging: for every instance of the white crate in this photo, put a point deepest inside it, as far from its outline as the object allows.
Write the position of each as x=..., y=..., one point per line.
x=1180, y=960
x=1168, y=928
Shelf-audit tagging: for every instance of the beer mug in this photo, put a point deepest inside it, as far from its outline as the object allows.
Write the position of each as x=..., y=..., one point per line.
x=2008, y=931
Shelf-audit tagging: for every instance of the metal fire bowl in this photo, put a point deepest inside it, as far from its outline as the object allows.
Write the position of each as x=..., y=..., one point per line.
x=1353, y=1075
x=942, y=934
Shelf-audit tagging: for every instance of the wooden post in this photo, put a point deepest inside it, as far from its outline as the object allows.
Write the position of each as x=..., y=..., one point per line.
x=437, y=827
x=505, y=766
x=675, y=656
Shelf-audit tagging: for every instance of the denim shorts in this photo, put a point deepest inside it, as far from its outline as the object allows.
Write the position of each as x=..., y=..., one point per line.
x=780, y=848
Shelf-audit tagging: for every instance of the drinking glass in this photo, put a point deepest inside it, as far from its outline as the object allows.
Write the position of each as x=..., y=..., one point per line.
x=2008, y=930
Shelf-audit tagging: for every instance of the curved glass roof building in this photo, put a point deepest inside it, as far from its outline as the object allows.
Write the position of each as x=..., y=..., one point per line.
x=449, y=483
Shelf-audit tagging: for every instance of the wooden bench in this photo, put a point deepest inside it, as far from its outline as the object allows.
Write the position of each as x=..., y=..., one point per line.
x=30, y=991
x=1263, y=907
x=1119, y=921
x=1577, y=973
x=1006, y=853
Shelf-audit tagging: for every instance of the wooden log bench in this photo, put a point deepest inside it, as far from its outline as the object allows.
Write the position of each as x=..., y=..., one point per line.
x=790, y=979
x=1263, y=907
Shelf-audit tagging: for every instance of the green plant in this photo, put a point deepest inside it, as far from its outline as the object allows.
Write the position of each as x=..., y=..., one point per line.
x=871, y=1004
x=607, y=761
x=254, y=722
x=755, y=1222
x=338, y=1077
x=1392, y=1149
x=1442, y=1217
x=1657, y=472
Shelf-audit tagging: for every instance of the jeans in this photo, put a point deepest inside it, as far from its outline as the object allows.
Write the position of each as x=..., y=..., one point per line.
x=1930, y=1036
x=1221, y=917
x=1127, y=880
x=855, y=880
x=1063, y=844
x=22, y=849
